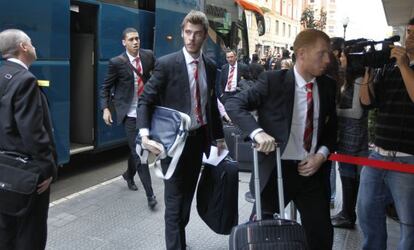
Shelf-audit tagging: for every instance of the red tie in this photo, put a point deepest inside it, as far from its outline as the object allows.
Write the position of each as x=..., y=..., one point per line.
x=197, y=110
x=139, y=80
x=307, y=137
x=230, y=78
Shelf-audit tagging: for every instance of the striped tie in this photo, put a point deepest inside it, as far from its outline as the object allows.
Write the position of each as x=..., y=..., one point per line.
x=197, y=97
x=230, y=78
x=139, y=80
x=307, y=137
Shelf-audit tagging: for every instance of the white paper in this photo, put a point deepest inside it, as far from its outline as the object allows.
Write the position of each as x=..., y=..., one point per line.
x=214, y=159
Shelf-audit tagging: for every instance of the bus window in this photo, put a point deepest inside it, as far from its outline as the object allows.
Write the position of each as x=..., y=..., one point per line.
x=146, y=5
x=229, y=23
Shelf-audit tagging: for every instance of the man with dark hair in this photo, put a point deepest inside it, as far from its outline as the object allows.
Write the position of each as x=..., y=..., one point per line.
x=127, y=75
x=25, y=128
x=231, y=74
x=296, y=108
x=393, y=95
x=184, y=81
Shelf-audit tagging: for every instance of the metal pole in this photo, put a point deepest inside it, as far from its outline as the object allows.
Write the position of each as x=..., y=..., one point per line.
x=345, y=30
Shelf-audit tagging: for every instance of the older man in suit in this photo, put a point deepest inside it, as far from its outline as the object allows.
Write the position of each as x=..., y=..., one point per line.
x=184, y=81
x=231, y=74
x=296, y=108
x=25, y=128
x=127, y=74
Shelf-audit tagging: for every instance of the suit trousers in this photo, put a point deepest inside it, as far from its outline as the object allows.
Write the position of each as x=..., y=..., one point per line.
x=28, y=232
x=134, y=163
x=179, y=192
x=309, y=196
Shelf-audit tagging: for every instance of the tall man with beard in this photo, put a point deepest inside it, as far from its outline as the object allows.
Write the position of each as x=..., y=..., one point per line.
x=184, y=81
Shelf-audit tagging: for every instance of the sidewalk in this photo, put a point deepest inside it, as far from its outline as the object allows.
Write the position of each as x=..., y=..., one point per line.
x=109, y=216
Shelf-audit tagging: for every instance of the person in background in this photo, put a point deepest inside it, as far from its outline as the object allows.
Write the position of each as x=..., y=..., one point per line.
x=352, y=137
x=127, y=74
x=255, y=67
x=286, y=64
x=336, y=73
x=223, y=113
x=231, y=74
x=393, y=94
x=26, y=128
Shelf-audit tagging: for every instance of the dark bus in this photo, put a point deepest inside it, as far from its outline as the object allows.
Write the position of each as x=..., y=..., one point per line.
x=75, y=39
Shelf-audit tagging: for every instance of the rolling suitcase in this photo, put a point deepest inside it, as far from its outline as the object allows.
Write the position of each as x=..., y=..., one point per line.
x=272, y=234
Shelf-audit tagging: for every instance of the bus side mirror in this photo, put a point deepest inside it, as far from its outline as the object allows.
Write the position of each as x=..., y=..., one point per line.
x=260, y=24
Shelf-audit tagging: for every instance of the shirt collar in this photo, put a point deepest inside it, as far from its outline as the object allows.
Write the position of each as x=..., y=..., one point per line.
x=235, y=65
x=15, y=60
x=300, y=82
x=188, y=58
x=130, y=57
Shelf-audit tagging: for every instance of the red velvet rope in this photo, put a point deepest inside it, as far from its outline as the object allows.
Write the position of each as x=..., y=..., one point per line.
x=363, y=161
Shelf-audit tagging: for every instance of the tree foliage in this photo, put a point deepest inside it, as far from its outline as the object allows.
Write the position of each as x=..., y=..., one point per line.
x=310, y=21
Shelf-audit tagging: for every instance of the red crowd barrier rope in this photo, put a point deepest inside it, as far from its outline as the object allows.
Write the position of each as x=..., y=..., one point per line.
x=363, y=161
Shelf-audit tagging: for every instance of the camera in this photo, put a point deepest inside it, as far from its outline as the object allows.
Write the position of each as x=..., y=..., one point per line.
x=362, y=53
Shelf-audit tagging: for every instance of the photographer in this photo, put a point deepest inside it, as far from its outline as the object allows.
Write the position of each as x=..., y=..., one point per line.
x=393, y=95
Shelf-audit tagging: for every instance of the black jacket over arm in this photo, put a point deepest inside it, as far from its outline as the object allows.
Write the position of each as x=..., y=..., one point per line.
x=120, y=78
x=273, y=97
x=169, y=87
x=25, y=124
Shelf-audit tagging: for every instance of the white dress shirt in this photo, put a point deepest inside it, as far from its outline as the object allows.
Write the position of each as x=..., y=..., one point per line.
x=233, y=80
x=202, y=81
x=132, y=112
x=294, y=149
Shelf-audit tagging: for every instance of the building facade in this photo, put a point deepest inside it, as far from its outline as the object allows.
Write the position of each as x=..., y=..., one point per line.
x=282, y=22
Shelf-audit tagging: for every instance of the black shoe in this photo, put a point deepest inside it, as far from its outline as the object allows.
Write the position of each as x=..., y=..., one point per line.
x=341, y=221
x=130, y=183
x=249, y=197
x=152, y=202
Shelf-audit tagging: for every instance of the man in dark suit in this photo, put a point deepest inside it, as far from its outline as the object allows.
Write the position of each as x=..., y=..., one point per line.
x=296, y=108
x=127, y=74
x=184, y=81
x=255, y=68
x=25, y=127
x=231, y=74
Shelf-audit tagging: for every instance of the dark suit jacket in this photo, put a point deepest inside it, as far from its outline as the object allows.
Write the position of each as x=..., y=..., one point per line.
x=25, y=124
x=273, y=97
x=169, y=87
x=120, y=77
x=242, y=71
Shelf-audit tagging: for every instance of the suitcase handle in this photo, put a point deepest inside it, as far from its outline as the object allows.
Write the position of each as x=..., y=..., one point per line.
x=257, y=183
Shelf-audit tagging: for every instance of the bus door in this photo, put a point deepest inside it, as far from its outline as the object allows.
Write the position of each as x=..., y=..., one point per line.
x=113, y=17
x=83, y=30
